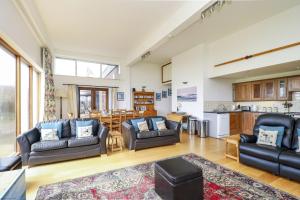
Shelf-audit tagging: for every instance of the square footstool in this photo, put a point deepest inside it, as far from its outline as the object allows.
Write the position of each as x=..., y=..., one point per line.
x=10, y=163
x=176, y=178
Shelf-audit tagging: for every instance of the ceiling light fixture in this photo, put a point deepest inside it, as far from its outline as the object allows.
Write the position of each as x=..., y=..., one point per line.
x=217, y=5
x=145, y=55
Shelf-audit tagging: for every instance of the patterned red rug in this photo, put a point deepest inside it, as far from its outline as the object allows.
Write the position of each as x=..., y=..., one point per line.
x=137, y=182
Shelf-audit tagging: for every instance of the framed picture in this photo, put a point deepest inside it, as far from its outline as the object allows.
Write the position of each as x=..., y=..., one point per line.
x=158, y=96
x=120, y=96
x=188, y=94
x=164, y=94
x=169, y=92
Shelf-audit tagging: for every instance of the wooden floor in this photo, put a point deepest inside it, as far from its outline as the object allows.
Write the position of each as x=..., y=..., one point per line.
x=209, y=148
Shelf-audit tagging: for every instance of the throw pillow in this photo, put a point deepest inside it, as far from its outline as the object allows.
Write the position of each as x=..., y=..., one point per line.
x=298, y=133
x=84, y=131
x=83, y=123
x=279, y=129
x=49, y=134
x=154, y=120
x=134, y=123
x=267, y=137
x=53, y=125
x=161, y=125
x=143, y=126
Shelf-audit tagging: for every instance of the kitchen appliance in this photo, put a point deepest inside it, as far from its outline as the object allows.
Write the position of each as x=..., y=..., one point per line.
x=219, y=124
x=245, y=108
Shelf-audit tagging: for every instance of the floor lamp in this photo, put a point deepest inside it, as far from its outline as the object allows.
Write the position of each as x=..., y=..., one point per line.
x=60, y=93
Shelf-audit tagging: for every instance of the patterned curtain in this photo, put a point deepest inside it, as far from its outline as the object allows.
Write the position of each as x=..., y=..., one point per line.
x=49, y=107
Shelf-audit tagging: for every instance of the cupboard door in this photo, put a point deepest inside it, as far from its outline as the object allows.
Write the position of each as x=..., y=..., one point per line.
x=235, y=123
x=294, y=84
x=256, y=90
x=269, y=90
x=248, y=123
x=282, y=89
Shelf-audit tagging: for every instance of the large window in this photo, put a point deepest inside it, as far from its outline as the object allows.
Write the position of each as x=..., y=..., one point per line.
x=7, y=102
x=19, y=94
x=69, y=67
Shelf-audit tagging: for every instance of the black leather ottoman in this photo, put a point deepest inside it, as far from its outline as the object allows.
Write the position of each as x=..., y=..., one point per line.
x=176, y=178
x=10, y=163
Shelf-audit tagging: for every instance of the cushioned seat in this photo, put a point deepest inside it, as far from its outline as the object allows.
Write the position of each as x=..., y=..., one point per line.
x=265, y=152
x=290, y=158
x=166, y=132
x=9, y=163
x=77, y=142
x=146, y=134
x=48, y=145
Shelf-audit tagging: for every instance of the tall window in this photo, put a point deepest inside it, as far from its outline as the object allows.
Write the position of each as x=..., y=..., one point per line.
x=35, y=97
x=7, y=102
x=24, y=97
x=69, y=67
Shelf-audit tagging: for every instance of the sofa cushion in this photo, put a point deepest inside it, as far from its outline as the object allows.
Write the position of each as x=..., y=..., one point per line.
x=66, y=129
x=166, y=132
x=49, y=145
x=280, y=132
x=154, y=120
x=134, y=123
x=146, y=134
x=85, y=141
x=57, y=125
x=264, y=152
x=73, y=126
x=290, y=158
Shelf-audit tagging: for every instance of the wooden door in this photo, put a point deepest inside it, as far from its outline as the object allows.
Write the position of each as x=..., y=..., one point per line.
x=235, y=123
x=247, y=123
x=256, y=91
x=269, y=89
x=294, y=84
x=282, y=89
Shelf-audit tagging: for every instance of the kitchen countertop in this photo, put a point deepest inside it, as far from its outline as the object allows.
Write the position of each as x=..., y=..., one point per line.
x=234, y=111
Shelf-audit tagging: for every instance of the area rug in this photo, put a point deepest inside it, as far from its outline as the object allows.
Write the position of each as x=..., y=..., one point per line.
x=137, y=182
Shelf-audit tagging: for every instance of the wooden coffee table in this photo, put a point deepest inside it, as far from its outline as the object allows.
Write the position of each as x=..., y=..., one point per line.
x=115, y=141
x=234, y=140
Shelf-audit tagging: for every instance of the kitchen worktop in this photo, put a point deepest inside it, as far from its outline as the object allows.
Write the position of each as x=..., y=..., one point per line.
x=224, y=112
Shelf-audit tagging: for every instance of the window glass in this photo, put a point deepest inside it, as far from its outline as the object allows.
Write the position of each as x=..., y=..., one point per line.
x=24, y=97
x=88, y=69
x=110, y=71
x=7, y=102
x=65, y=67
x=35, y=96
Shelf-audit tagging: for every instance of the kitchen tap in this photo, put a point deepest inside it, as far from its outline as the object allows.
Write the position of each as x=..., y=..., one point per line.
x=287, y=105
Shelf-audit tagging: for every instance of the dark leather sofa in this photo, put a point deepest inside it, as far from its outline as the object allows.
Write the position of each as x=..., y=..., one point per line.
x=283, y=161
x=141, y=140
x=68, y=147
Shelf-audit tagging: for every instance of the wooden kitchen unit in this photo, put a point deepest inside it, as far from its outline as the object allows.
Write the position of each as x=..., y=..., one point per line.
x=242, y=122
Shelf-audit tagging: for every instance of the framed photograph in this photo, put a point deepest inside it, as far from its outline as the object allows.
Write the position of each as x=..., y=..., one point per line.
x=120, y=96
x=169, y=92
x=188, y=94
x=164, y=94
x=158, y=96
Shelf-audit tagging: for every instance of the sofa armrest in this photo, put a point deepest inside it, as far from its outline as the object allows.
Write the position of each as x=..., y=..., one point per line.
x=129, y=135
x=173, y=125
x=248, y=138
x=25, y=141
x=102, y=134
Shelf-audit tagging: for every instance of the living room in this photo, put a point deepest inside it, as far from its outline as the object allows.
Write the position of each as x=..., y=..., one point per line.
x=128, y=101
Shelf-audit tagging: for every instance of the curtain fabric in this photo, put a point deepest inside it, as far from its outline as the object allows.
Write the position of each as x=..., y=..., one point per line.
x=49, y=102
x=114, y=98
x=72, y=100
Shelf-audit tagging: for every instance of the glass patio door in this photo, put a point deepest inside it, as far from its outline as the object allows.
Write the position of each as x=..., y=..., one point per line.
x=92, y=99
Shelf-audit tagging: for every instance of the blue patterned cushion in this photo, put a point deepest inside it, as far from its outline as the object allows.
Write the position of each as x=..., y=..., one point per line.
x=298, y=133
x=53, y=125
x=134, y=123
x=279, y=129
x=154, y=120
x=83, y=123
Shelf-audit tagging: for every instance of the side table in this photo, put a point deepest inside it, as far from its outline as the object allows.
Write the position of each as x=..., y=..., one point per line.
x=234, y=140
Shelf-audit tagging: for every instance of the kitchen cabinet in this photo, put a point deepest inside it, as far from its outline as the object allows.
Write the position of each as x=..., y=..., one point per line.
x=247, y=124
x=235, y=123
x=269, y=89
x=294, y=84
x=241, y=92
x=282, y=89
x=256, y=91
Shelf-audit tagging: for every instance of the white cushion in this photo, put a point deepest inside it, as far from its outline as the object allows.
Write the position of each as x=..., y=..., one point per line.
x=143, y=126
x=161, y=125
x=49, y=134
x=84, y=131
x=267, y=137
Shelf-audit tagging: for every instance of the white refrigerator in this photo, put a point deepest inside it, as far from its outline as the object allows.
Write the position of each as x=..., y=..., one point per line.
x=219, y=124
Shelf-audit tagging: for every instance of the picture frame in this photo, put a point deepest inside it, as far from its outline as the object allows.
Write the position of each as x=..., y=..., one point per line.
x=164, y=94
x=187, y=94
x=158, y=96
x=169, y=92
x=120, y=96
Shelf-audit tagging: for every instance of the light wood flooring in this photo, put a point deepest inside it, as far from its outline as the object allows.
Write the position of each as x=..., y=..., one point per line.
x=209, y=148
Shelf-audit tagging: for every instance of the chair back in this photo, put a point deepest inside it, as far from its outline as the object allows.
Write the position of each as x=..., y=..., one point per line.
x=277, y=120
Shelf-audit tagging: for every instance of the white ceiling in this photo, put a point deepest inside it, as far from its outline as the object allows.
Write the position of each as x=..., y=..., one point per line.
x=109, y=28
x=231, y=18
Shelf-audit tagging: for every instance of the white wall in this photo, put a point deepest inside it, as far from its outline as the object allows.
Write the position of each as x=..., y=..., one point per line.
x=149, y=75
x=279, y=30
x=13, y=27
